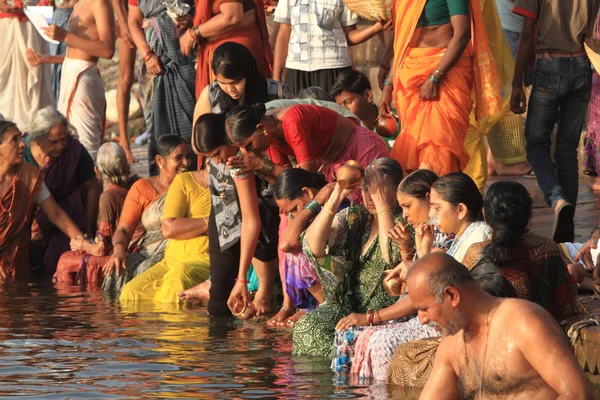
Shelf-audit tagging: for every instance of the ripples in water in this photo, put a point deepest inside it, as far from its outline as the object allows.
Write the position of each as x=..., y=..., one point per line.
x=60, y=343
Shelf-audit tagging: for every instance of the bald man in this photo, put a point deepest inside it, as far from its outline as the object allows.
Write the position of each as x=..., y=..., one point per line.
x=493, y=348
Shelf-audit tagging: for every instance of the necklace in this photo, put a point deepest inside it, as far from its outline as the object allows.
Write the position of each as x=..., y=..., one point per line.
x=487, y=340
x=12, y=200
x=222, y=193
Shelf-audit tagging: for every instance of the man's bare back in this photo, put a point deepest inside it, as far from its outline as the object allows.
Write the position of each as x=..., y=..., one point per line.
x=524, y=351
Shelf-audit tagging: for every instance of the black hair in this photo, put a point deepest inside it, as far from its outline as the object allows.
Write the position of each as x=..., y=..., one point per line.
x=242, y=120
x=209, y=133
x=508, y=209
x=4, y=127
x=496, y=285
x=315, y=93
x=290, y=183
x=382, y=171
x=456, y=188
x=234, y=61
x=167, y=143
x=351, y=81
x=418, y=183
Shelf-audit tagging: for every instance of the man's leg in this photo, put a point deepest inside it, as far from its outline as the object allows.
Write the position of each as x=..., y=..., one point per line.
x=572, y=117
x=126, y=65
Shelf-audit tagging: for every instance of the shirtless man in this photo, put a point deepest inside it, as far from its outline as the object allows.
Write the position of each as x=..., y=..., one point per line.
x=90, y=35
x=493, y=348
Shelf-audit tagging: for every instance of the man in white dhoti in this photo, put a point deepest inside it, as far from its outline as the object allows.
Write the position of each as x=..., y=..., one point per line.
x=90, y=35
x=23, y=89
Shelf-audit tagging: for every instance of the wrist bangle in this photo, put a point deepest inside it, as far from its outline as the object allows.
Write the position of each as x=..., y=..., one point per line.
x=434, y=79
x=148, y=56
x=313, y=207
x=385, y=212
x=370, y=317
x=329, y=210
x=118, y=243
x=267, y=167
x=377, y=316
x=241, y=281
x=387, y=83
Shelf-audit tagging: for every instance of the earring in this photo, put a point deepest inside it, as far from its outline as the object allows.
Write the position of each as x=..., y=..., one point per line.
x=264, y=132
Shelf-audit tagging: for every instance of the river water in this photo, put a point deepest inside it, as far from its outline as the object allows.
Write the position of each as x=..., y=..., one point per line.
x=66, y=342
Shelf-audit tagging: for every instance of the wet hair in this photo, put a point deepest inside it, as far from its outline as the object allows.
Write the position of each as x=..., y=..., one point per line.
x=290, y=183
x=43, y=121
x=5, y=126
x=446, y=272
x=351, y=81
x=508, y=210
x=418, y=183
x=456, y=188
x=167, y=143
x=241, y=122
x=112, y=164
x=315, y=93
x=496, y=285
x=382, y=171
x=234, y=61
x=209, y=133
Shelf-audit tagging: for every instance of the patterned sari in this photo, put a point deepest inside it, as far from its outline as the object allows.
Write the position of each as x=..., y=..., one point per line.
x=314, y=333
x=15, y=226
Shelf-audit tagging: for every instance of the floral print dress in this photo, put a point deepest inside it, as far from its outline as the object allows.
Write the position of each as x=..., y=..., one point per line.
x=314, y=333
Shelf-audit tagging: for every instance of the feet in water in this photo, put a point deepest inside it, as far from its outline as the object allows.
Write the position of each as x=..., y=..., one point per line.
x=282, y=316
x=199, y=294
x=291, y=321
x=263, y=302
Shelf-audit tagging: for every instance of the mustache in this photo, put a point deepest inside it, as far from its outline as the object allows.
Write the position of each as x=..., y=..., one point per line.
x=431, y=324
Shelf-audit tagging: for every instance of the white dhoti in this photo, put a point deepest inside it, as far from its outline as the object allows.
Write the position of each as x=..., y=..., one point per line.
x=24, y=89
x=83, y=101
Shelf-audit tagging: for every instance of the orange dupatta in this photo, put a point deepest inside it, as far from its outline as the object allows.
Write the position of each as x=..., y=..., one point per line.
x=487, y=88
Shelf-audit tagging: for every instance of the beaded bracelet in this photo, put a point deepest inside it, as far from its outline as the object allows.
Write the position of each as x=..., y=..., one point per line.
x=313, y=207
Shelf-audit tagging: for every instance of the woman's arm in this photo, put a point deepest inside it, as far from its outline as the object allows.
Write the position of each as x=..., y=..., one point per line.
x=135, y=20
x=317, y=234
x=93, y=190
x=357, y=36
x=184, y=228
x=120, y=8
x=230, y=16
x=402, y=308
x=60, y=218
x=282, y=43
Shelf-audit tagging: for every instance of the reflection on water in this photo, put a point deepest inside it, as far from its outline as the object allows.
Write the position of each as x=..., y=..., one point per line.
x=68, y=343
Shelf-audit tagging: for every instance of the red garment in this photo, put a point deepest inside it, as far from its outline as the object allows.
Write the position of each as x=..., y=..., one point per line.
x=254, y=37
x=133, y=3
x=308, y=131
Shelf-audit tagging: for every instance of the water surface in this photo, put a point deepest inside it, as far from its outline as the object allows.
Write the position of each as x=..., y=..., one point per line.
x=60, y=343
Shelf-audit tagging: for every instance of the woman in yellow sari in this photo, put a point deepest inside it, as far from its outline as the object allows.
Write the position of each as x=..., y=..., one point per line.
x=186, y=262
x=440, y=54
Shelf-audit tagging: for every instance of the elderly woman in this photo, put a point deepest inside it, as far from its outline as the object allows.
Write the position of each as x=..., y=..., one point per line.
x=70, y=177
x=21, y=187
x=87, y=258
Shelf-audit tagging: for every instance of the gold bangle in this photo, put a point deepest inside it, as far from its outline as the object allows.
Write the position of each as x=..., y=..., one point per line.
x=329, y=210
x=385, y=212
x=241, y=312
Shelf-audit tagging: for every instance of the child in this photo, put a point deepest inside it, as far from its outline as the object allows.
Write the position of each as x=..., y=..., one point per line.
x=352, y=90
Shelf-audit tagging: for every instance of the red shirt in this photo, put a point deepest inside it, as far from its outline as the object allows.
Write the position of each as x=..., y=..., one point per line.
x=308, y=131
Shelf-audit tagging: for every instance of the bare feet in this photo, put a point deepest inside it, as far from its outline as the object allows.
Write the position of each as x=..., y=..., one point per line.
x=197, y=294
x=282, y=316
x=594, y=183
x=263, y=302
x=291, y=321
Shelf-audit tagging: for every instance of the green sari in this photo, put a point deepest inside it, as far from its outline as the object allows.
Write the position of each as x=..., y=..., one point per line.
x=314, y=333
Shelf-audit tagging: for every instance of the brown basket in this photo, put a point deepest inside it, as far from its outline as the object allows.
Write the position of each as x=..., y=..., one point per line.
x=592, y=48
x=507, y=140
x=371, y=10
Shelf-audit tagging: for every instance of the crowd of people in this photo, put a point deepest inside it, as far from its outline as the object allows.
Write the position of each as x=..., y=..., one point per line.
x=277, y=163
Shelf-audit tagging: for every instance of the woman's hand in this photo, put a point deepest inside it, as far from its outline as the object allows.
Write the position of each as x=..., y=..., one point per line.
x=153, y=65
x=400, y=272
x=117, y=261
x=239, y=294
x=55, y=32
x=584, y=254
x=77, y=243
x=424, y=239
x=34, y=58
x=245, y=163
x=187, y=43
x=429, y=91
x=401, y=235
x=385, y=105
x=352, y=320
x=183, y=23
x=324, y=194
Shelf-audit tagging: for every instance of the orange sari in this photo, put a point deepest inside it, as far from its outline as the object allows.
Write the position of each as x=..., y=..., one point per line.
x=15, y=228
x=254, y=37
x=433, y=132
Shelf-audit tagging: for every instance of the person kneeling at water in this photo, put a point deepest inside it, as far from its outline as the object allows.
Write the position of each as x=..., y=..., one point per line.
x=501, y=348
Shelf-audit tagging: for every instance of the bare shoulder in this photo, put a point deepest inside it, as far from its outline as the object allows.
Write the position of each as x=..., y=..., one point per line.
x=525, y=317
x=447, y=349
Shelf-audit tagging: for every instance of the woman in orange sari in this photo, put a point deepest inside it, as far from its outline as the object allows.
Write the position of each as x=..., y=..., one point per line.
x=21, y=188
x=219, y=21
x=440, y=54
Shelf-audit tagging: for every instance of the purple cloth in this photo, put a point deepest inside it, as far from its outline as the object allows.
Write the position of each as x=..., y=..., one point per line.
x=60, y=178
x=299, y=276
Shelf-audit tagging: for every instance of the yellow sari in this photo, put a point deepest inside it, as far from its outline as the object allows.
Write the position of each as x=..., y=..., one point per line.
x=186, y=262
x=433, y=132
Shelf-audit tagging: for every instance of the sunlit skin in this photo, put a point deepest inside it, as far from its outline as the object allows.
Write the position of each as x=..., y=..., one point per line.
x=12, y=148
x=260, y=141
x=450, y=217
x=360, y=105
x=54, y=143
x=233, y=87
x=294, y=207
x=415, y=211
x=221, y=154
